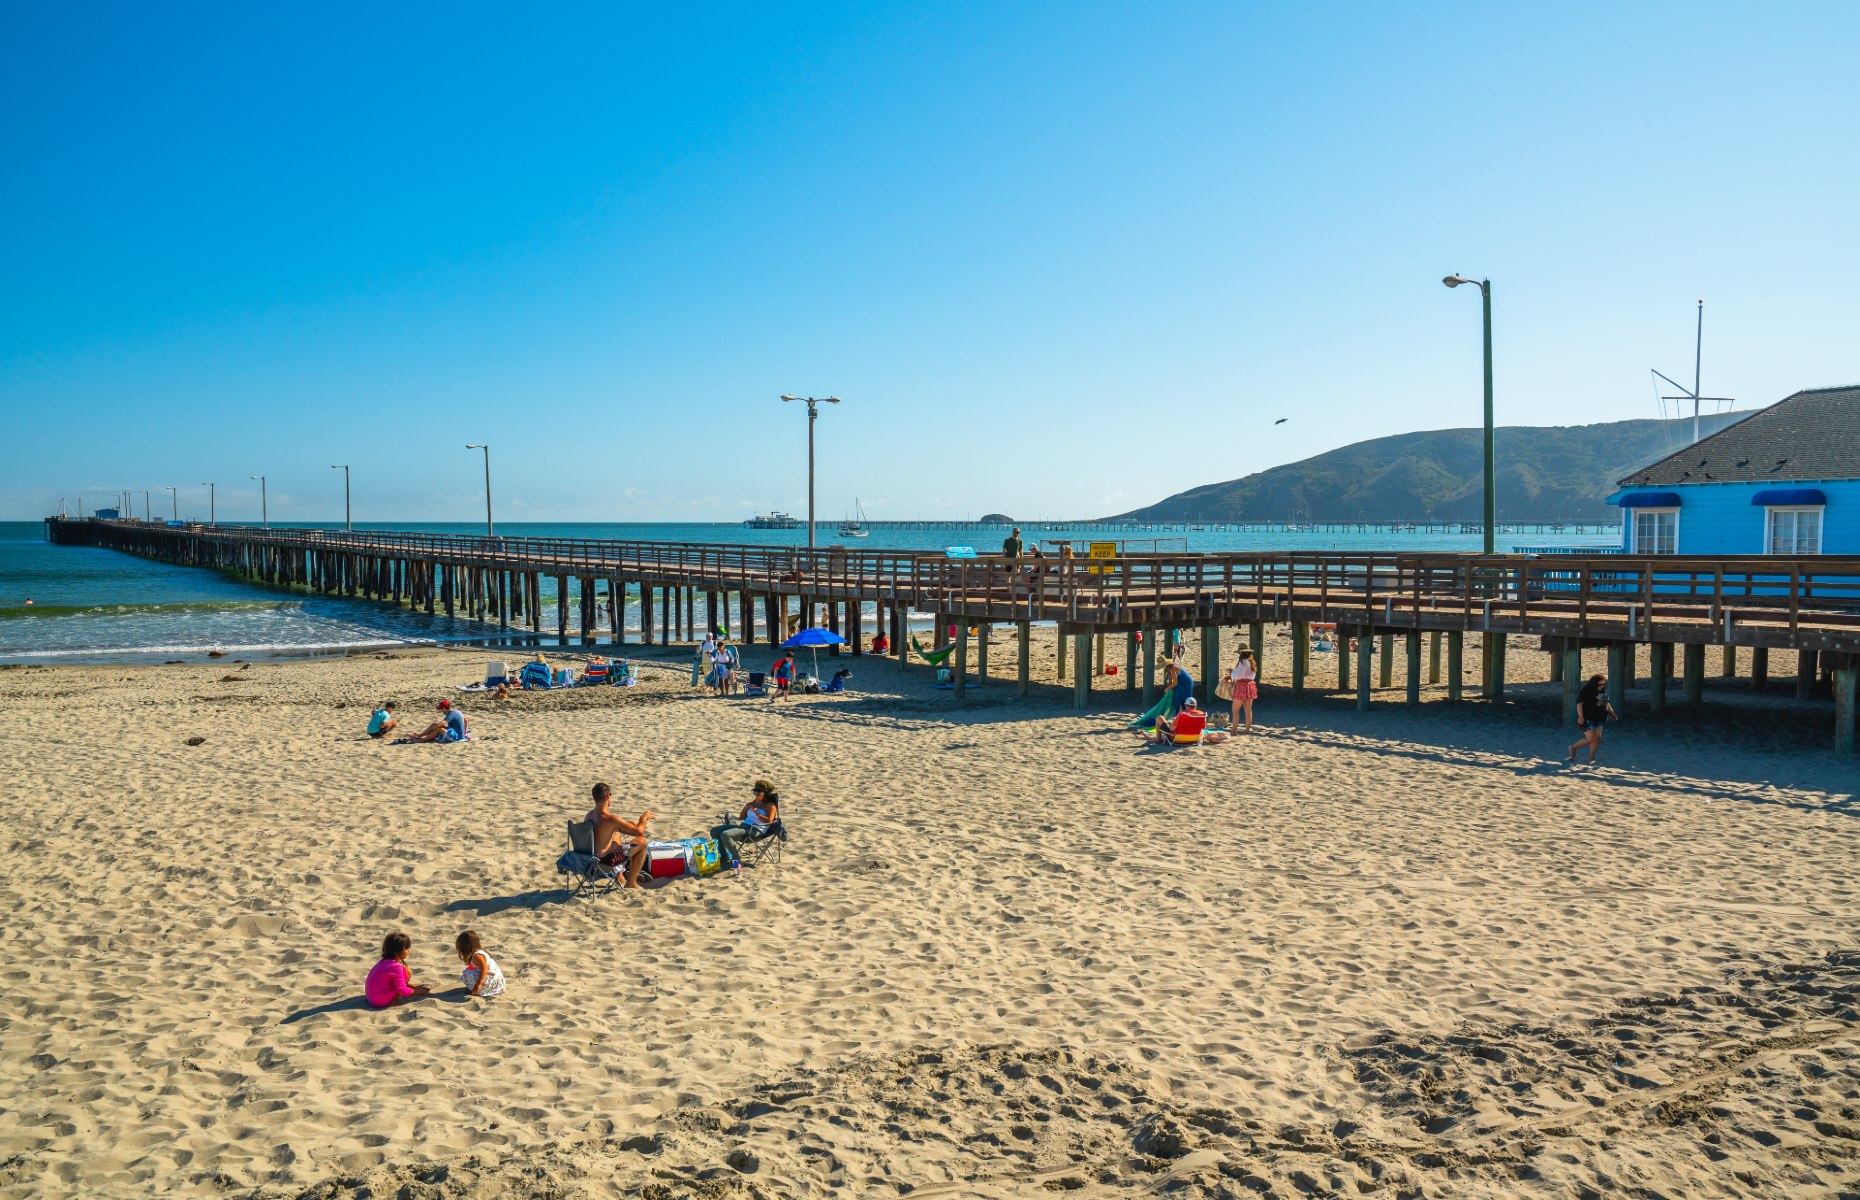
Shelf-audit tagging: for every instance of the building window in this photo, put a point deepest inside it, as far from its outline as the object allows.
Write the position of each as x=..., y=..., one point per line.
x=1795, y=531
x=1656, y=531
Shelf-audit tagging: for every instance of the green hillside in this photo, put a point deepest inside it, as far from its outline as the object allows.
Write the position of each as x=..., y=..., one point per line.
x=1560, y=473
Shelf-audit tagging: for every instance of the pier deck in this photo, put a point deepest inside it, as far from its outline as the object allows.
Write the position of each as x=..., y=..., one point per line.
x=1806, y=605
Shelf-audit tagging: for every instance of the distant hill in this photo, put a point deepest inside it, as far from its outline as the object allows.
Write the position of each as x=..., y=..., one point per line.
x=1559, y=473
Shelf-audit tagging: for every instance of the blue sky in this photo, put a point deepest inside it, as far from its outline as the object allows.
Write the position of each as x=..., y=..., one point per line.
x=1060, y=259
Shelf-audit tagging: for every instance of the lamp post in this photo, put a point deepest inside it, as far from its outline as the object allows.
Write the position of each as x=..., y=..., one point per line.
x=148, y=512
x=1485, y=293
x=486, y=447
x=174, y=504
x=264, y=503
x=347, y=521
x=213, y=513
x=813, y=414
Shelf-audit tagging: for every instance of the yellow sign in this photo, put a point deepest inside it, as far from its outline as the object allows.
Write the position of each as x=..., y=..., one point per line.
x=1102, y=550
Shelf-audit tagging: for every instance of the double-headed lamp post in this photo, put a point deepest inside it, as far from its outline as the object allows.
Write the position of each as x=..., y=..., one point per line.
x=347, y=520
x=264, y=503
x=1485, y=293
x=813, y=414
x=213, y=513
x=486, y=447
x=174, y=503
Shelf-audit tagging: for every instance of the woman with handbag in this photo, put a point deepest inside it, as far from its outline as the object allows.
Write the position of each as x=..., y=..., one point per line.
x=1241, y=687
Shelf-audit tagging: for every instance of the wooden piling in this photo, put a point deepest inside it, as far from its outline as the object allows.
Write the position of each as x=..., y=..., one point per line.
x=1387, y=651
x=1659, y=656
x=1365, y=649
x=1301, y=656
x=1617, y=674
x=1845, y=679
x=1344, y=651
x=1061, y=639
x=1023, y=675
x=1130, y=660
x=1149, y=667
x=1414, y=666
x=1805, y=665
x=1572, y=680
x=1456, y=664
x=1081, y=678
x=1760, y=667
x=961, y=659
x=1695, y=673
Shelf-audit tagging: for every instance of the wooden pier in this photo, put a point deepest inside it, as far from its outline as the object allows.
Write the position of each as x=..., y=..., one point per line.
x=1808, y=606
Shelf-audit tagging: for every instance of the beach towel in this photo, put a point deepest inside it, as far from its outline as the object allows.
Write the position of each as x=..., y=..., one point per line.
x=537, y=675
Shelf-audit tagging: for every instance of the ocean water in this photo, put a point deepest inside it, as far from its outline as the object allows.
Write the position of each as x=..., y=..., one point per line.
x=63, y=604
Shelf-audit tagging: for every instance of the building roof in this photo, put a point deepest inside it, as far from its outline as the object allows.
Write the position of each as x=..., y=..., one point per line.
x=1813, y=434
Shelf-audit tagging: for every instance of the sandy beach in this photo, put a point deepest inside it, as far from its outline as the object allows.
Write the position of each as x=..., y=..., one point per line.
x=1011, y=951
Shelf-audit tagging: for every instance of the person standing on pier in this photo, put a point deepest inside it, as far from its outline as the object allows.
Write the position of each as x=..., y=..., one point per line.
x=1012, y=546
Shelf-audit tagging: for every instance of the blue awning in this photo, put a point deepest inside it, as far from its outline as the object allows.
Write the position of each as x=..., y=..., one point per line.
x=1650, y=500
x=1789, y=498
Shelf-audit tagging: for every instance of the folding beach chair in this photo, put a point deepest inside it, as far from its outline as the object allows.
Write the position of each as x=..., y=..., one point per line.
x=586, y=873
x=757, y=684
x=538, y=675
x=597, y=672
x=765, y=849
x=496, y=675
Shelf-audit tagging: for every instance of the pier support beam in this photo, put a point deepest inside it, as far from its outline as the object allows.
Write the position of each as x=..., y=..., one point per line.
x=1617, y=674
x=1729, y=665
x=1062, y=653
x=1365, y=647
x=960, y=659
x=1760, y=667
x=1256, y=640
x=1301, y=657
x=1494, y=658
x=981, y=651
x=1023, y=653
x=1456, y=663
x=1414, y=666
x=1130, y=661
x=1572, y=680
x=561, y=609
x=1845, y=680
x=1659, y=662
x=1210, y=660
x=1343, y=658
x=1695, y=673
x=1804, y=674
x=1081, y=671
x=1149, y=667
x=1386, y=649
x=1556, y=666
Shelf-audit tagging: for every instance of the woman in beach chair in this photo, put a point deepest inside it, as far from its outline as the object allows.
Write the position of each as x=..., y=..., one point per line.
x=760, y=818
x=598, y=671
x=537, y=675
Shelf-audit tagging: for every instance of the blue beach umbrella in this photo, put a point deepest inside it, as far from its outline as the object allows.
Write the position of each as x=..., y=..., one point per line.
x=814, y=639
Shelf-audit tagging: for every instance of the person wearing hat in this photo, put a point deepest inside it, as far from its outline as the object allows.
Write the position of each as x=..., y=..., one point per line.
x=450, y=727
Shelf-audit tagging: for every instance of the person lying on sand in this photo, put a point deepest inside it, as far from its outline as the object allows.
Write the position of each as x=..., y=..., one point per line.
x=450, y=727
x=611, y=833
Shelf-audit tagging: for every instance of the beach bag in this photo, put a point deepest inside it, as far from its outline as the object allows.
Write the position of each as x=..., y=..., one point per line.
x=704, y=858
x=1224, y=690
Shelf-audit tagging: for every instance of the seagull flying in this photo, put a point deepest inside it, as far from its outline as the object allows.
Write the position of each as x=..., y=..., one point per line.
x=1281, y=420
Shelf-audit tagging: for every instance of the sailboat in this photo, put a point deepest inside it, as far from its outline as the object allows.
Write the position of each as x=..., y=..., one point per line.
x=855, y=528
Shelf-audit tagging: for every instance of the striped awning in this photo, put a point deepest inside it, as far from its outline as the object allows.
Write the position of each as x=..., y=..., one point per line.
x=1650, y=500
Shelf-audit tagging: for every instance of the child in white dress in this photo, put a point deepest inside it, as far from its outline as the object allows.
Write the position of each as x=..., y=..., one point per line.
x=481, y=976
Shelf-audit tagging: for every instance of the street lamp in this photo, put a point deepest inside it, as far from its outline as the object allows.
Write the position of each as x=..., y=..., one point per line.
x=264, y=503
x=1485, y=293
x=174, y=503
x=813, y=414
x=213, y=508
x=347, y=522
x=486, y=447
x=148, y=513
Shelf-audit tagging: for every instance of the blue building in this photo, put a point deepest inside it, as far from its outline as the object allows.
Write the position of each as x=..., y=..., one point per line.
x=1784, y=480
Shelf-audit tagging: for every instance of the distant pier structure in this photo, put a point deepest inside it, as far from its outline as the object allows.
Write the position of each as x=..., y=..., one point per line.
x=1381, y=607
x=1612, y=528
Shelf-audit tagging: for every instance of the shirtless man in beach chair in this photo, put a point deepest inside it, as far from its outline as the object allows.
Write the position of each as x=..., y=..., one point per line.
x=616, y=837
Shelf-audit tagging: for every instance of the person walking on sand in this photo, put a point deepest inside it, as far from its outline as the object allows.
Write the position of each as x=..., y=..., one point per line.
x=1592, y=712
x=1244, y=679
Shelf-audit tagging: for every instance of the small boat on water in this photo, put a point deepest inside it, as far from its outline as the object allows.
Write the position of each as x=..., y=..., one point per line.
x=774, y=520
x=855, y=527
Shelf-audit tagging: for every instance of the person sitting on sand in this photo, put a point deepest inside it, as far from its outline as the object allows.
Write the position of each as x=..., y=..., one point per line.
x=1190, y=721
x=388, y=982
x=751, y=825
x=611, y=833
x=450, y=727
x=481, y=976
x=383, y=722
x=881, y=644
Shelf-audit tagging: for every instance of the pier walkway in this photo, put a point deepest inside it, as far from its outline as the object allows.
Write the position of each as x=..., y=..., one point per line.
x=1808, y=605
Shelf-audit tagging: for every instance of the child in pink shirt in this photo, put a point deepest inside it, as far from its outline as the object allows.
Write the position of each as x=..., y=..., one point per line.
x=388, y=982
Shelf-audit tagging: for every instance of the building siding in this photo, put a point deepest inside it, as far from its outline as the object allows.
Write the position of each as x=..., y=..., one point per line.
x=1718, y=518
